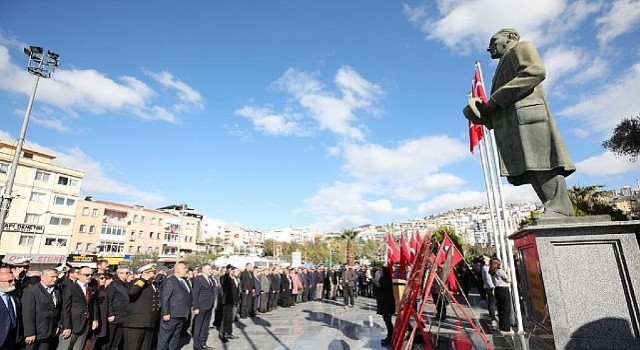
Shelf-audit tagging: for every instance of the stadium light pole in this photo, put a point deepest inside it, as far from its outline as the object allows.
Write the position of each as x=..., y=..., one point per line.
x=41, y=65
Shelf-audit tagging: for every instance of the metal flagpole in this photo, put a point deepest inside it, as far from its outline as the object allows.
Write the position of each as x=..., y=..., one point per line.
x=489, y=187
x=509, y=253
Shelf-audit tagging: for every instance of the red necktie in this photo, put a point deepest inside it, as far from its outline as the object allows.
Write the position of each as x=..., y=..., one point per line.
x=87, y=295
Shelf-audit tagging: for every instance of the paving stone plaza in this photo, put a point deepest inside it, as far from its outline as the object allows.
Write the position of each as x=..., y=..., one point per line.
x=328, y=325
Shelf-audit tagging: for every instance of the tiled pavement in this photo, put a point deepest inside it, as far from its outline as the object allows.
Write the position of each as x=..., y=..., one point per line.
x=328, y=325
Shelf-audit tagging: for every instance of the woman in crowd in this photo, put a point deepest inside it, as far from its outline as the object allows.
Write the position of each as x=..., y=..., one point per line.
x=501, y=282
x=385, y=303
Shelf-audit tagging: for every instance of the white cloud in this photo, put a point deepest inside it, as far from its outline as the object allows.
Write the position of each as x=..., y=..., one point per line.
x=602, y=110
x=559, y=61
x=462, y=25
x=429, y=184
x=269, y=122
x=411, y=160
x=622, y=17
x=334, y=111
x=453, y=200
x=88, y=90
x=95, y=179
x=607, y=164
x=346, y=205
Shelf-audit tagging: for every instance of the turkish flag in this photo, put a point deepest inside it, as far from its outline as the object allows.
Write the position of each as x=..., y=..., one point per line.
x=405, y=257
x=393, y=254
x=476, y=132
x=450, y=249
x=414, y=247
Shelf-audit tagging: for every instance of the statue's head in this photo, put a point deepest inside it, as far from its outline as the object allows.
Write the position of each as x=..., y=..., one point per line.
x=503, y=40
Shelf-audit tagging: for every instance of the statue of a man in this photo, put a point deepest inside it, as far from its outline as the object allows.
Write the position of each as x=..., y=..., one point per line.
x=530, y=148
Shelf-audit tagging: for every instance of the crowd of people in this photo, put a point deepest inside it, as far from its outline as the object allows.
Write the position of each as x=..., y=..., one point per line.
x=80, y=308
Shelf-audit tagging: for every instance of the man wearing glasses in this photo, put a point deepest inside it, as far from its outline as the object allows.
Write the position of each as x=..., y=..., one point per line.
x=9, y=309
x=41, y=306
x=79, y=312
x=118, y=306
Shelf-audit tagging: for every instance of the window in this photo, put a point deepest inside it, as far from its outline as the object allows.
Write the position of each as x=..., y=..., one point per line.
x=113, y=230
x=89, y=247
x=59, y=200
x=56, y=242
x=26, y=240
x=68, y=181
x=95, y=213
x=42, y=176
x=31, y=218
x=56, y=220
x=149, y=249
x=82, y=228
x=92, y=229
x=150, y=235
x=112, y=247
x=153, y=221
x=160, y=221
x=28, y=155
x=140, y=234
x=4, y=167
x=78, y=246
x=143, y=219
x=157, y=250
x=139, y=249
x=85, y=211
x=135, y=218
x=158, y=236
x=130, y=249
x=38, y=197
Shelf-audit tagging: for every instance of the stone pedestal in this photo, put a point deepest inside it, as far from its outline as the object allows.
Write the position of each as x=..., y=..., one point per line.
x=590, y=281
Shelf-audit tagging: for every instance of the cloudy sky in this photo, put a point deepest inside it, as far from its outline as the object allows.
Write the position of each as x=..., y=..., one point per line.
x=328, y=114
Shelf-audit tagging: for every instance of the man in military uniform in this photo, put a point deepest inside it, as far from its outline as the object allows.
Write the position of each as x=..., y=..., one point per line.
x=141, y=325
x=19, y=269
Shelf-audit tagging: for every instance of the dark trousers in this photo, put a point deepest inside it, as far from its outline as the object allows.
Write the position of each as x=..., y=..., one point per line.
x=273, y=300
x=138, y=338
x=389, y=325
x=348, y=295
x=228, y=314
x=9, y=342
x=43, y=344
x=200, y=328
x=503, y=300
x=311, y=292
x=169, y=334
x=115, y=336
x=491, y=304
x=441, y=305
x=245, y=304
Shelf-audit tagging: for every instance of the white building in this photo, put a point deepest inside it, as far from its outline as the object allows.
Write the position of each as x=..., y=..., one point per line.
x=42, y=213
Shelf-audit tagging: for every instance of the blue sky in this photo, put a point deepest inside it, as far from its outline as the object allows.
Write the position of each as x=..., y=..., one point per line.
x=327, y=114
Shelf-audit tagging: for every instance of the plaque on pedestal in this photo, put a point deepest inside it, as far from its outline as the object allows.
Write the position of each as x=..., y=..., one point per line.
x=589, y=274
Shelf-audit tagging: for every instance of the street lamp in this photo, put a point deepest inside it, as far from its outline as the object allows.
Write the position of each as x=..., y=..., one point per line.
x=40, y=65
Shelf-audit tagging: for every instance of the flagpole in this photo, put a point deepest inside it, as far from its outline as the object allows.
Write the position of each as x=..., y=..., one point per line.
x=490, y=197
x=506, y=241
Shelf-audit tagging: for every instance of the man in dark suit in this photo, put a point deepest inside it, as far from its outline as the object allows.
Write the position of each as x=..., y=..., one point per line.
x=248, y=288
x=176, y=308
x=285, y=288
x=9, y=311
x=204, y=293
x=141, y=325
x=79, y=312
x=230, y=299
x=41, y=305
x=117, y=306
x=275, y=288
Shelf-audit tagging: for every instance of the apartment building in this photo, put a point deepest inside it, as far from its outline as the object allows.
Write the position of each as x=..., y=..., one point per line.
x=45, y=197
x=115, y=230
x=181, y=236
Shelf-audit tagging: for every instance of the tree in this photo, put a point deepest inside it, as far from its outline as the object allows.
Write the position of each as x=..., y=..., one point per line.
x=625, y=140
x=590, y=200
x=437, y=236
x=141, y=259
x=349, y=237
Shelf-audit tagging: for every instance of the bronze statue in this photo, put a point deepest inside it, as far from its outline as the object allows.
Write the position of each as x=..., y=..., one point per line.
x=530, y=148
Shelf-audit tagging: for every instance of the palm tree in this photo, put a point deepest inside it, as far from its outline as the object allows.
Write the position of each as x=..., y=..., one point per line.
x=349, y=237
x=586, y=198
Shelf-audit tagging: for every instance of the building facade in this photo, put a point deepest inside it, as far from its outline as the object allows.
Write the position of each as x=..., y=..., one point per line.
x=45, y=197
